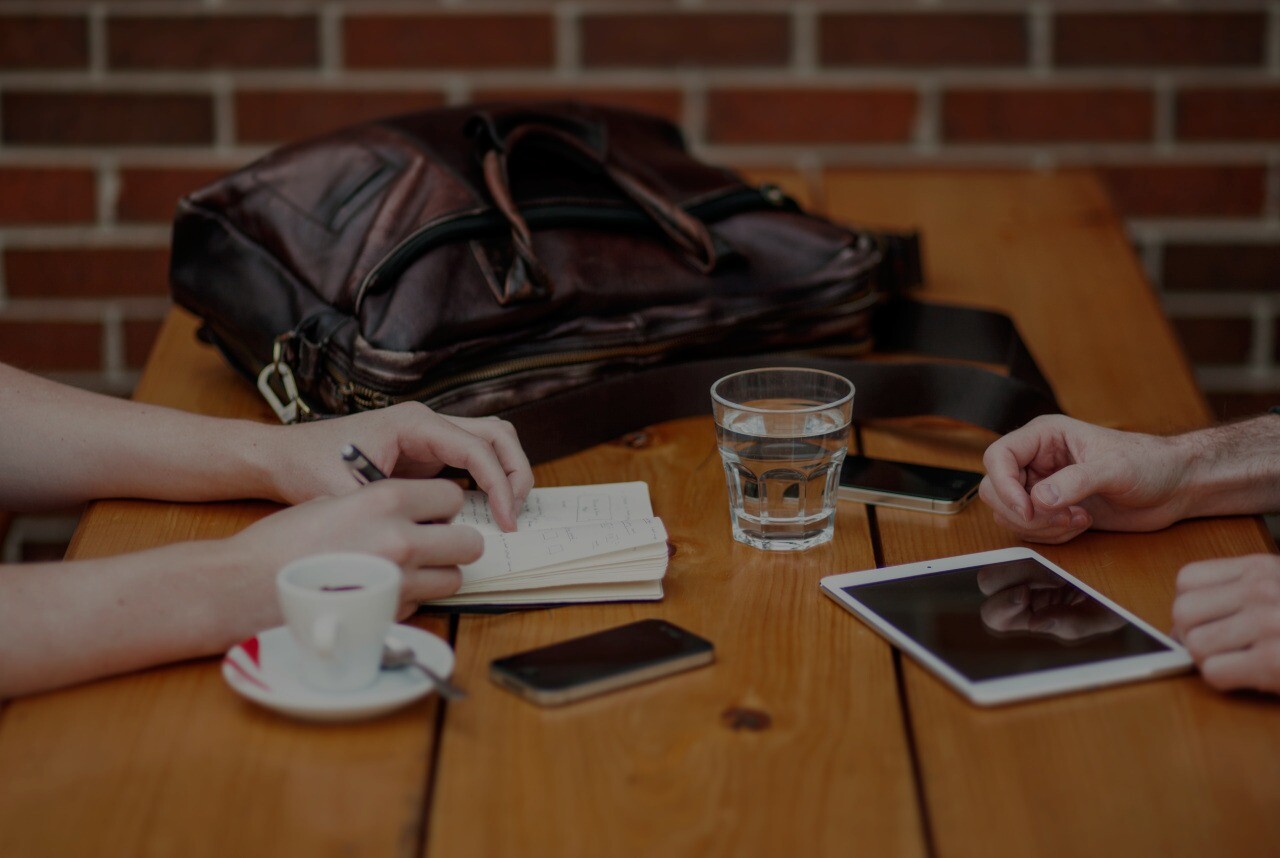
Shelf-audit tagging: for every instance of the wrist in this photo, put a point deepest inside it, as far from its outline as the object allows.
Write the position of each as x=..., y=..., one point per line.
x=1232, y=469
x=259, y=454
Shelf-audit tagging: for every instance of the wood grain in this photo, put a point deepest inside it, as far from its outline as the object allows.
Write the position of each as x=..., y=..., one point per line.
x=170, y=761
x=662, y=769
x=1168, y=767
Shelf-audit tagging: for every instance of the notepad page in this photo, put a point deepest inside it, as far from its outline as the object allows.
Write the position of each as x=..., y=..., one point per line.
x=562, y=506
x=508, y=555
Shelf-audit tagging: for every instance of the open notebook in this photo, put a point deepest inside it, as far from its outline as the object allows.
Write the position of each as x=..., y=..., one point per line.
x=596, y=543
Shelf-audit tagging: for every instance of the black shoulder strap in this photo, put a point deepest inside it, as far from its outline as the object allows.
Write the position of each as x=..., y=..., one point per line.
x=601, y=411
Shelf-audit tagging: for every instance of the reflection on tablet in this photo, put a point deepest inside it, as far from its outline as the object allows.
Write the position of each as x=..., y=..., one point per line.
x=1003, y=619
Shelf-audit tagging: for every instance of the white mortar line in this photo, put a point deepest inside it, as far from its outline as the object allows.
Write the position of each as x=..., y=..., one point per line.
x=107, y=181
x=112, y=342
x=84, y=309
x=1233, y=379
x=114, y=235
x=330, y=34
x=4, y=292
x=804, y=39
x=926, y=136
x=1263, y=343
x=97, y=35
x=694, y=111
x=1273, y=39
x=224, y=114
x=1040, y=39
x=567, y=39
x=1215, y=305
x=1152, y=256
x=1165, y=114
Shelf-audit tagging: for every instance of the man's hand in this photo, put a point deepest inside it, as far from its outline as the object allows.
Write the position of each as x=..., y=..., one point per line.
x=1057, y=477
x=1227, y=613
x=406, y=440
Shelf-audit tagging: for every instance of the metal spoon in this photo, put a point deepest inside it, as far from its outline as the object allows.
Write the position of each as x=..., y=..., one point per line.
x=397, y=654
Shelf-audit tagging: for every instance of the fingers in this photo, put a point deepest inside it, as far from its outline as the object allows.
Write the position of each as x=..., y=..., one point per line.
x=433, y=436
x=1004, y=486
x=502, y=435
x=1067, y=486
x=423, y=585
x=1257, y=668
x=1048, y=527
x=1211, y=573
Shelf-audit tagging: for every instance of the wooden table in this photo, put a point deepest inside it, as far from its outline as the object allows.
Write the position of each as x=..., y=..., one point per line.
x=810, y=736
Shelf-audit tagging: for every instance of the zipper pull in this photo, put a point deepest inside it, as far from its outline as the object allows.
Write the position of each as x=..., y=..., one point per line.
x=773, y=195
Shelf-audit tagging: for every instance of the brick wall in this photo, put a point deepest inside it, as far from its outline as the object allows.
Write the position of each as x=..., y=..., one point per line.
x=110, y=110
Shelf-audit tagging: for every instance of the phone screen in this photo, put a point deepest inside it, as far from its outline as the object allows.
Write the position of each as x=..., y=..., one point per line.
x=903, y=478
x=635, y=647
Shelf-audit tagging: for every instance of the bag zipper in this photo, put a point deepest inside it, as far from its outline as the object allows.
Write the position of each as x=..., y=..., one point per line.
x=367, y=397
x=490, y=222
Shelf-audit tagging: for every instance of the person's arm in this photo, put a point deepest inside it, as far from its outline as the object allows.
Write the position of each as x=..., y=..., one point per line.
x=60, y=446
x=62, y=623
x=1057, y=477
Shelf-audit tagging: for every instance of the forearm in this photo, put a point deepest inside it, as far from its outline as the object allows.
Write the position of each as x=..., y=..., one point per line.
x=68, y=622
x=1233, y=469
x=60, y=446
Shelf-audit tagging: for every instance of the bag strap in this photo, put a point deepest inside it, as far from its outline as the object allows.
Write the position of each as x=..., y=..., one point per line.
x=608, y=409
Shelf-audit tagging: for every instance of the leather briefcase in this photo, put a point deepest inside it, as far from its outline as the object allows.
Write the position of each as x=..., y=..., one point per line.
x=571, y=268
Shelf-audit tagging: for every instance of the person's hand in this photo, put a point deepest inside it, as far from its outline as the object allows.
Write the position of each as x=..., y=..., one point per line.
x=382, y=519
x=1227, y=614
x=1027, y=597
x=406, y=440
x=1057, y=477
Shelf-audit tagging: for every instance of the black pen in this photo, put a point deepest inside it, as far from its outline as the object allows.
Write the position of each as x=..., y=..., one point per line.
x=362, y=469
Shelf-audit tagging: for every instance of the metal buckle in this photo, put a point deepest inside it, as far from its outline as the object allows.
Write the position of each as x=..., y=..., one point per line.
x=291, y=408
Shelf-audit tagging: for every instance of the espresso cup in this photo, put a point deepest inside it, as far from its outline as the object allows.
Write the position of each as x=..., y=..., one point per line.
x=339, y=608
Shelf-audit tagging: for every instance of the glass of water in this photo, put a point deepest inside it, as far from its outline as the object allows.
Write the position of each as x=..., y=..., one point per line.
x=783, y=434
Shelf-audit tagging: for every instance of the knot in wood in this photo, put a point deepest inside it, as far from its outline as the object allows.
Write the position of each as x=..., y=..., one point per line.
x=743, y=718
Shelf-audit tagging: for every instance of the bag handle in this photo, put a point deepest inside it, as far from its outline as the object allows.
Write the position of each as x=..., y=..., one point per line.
x=501, y=134
x=605, y=410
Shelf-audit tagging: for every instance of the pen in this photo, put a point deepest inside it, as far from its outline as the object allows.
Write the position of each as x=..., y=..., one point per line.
x=362, y=469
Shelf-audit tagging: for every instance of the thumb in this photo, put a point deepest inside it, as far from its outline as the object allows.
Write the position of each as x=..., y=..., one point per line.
x=1068, y=486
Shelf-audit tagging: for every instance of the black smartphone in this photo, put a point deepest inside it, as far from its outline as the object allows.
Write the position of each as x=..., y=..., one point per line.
x=605, y=661
x=906, y=485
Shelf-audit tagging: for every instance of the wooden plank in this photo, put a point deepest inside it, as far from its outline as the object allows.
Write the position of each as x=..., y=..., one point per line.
x=670, y=768
x=661, y=769
x=170, y=761
x=1168, y=767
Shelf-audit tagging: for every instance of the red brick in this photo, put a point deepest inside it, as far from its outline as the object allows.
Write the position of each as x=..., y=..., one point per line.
x=207, y=42
x=449, y=41
x=1187, y=190
x=106, y=119
x=1215, y=341
x=31, y=42
x=1160, y=39
x=922, y=40
x=1222, y=268
x=280, y=115
x=1233, y=406
x=810, y=115
x=1047, y=115
x=691, y=39
x=1229, y=114
x=86, y=272
x=51, y=346
x=47, y=195
x=152, y=193
x=666, y=103
x=139, y=336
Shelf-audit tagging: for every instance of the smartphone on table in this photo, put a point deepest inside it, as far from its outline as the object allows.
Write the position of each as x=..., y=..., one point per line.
x=604, y=661
x=906, y=485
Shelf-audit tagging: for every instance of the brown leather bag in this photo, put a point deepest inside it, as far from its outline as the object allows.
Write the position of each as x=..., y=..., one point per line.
x=571, y=268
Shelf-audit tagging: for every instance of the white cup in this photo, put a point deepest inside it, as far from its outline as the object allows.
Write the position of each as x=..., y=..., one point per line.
x=339, y=608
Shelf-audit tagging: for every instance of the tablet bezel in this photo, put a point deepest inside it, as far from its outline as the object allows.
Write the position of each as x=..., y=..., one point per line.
x=1026, y=686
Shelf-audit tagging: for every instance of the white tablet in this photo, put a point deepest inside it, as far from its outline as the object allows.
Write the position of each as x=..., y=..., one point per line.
x=1006, y=625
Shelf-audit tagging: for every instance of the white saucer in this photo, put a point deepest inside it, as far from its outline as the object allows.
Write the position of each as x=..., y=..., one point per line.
x=264, y=669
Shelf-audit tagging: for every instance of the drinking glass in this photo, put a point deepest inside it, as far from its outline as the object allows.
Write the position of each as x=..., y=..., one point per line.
x=783, y=434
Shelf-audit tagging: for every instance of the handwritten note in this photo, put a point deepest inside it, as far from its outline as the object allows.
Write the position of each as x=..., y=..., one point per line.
x=561, y=506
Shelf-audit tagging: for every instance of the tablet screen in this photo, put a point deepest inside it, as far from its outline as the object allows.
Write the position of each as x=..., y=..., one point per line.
x=1003, y=619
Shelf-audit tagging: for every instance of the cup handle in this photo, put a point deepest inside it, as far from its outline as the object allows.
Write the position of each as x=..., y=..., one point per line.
x=324, y=632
